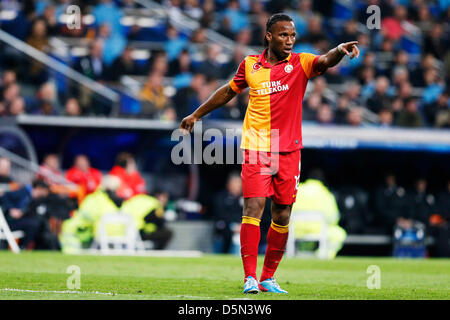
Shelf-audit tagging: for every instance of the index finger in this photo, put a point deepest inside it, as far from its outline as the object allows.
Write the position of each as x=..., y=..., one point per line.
x=357, y=51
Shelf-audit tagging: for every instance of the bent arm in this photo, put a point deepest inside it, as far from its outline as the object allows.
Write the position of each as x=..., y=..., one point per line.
x=332, y=57
x=219, y=98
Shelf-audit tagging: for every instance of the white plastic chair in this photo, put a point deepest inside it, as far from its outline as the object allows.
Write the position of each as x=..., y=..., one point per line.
x=321, y=238
x=129, y=242
x=6, y=234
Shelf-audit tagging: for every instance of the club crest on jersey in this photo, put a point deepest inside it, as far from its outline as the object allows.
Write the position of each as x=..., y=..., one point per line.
x=288, y=68
x=256, y=67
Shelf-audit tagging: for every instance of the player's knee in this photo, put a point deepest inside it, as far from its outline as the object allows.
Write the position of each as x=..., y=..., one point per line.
x=281, y=213
x=254, y=207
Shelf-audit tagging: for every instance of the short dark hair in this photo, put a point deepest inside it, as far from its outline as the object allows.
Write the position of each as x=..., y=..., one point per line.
x=122, y=159
x=409, y=100
x=272, y=20
x=40, y=183
x=385, y=109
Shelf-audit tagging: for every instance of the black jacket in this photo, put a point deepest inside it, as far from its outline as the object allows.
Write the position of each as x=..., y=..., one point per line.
x=86, y=67
x=390, y=204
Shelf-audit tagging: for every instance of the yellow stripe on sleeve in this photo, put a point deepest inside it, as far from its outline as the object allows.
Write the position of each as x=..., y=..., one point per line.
x=234, y=87
x=307, y=61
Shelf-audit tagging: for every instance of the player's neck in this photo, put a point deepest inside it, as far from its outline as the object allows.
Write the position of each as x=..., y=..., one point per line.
x=272, y=58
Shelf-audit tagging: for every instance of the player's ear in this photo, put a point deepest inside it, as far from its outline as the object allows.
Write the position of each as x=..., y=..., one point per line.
x=268, y=36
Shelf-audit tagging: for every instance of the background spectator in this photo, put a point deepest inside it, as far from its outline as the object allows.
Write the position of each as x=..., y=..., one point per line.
x=30, y=211
x=354, y=117
x=38, y=39
x=311, y=107
x=123, y=65
x=8, y=77
x=155, y=103
x=386, y=118
x=5, y=170
x=181, y=69
x=50, y=170
x=84, y=175
x=379, y=100
x=423, y=203
x=315, y=196
x=131, y=182
x=187, y=99
x=113, y=43
x=410, y=116
x=72, y=108
x=148, y=212
x=16, y=107
x=78, y=231
x=93, y=66
x=342, y=110
x=227, y=211
x=174, y=44
x=10, y=93
x=211, y=67
x=325, y=114
x=390, y=203
x=46, y=101
x=439, y=223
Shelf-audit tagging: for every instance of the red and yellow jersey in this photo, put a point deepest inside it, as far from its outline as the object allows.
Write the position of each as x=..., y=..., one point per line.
x=274, y=114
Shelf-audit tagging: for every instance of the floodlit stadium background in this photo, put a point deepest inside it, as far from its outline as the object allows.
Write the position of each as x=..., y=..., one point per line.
x=124, y=79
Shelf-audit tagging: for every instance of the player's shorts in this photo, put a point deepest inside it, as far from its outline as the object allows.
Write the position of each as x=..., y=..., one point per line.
x=273, y=175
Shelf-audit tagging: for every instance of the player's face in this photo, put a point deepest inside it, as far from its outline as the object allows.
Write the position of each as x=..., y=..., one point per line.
x=282, y=38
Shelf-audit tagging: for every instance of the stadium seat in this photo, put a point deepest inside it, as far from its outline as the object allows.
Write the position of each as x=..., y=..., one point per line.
x=6, y=234
x=117, y=230
x=310, y=217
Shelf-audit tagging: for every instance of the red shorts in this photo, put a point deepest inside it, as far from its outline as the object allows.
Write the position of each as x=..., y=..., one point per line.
x=274, y=175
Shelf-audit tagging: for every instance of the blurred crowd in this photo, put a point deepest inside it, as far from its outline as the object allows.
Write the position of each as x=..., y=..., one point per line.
x=401, y=78
x=62, y=210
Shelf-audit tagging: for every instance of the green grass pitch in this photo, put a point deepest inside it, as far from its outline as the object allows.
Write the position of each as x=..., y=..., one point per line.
x=42, y=275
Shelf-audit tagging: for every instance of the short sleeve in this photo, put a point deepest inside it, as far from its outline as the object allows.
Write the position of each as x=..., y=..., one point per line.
x=309, y=64
x=238, y=83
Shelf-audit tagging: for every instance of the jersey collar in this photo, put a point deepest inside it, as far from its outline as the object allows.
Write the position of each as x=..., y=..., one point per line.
x=262, y=60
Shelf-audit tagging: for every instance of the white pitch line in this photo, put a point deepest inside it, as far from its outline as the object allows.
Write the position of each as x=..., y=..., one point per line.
x=104, y=293
x=210, y=298
x=191, y=297
x=63, y=292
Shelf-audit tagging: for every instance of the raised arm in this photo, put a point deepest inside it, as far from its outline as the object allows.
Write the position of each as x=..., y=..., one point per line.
x=332, y=57
x=219, y=98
